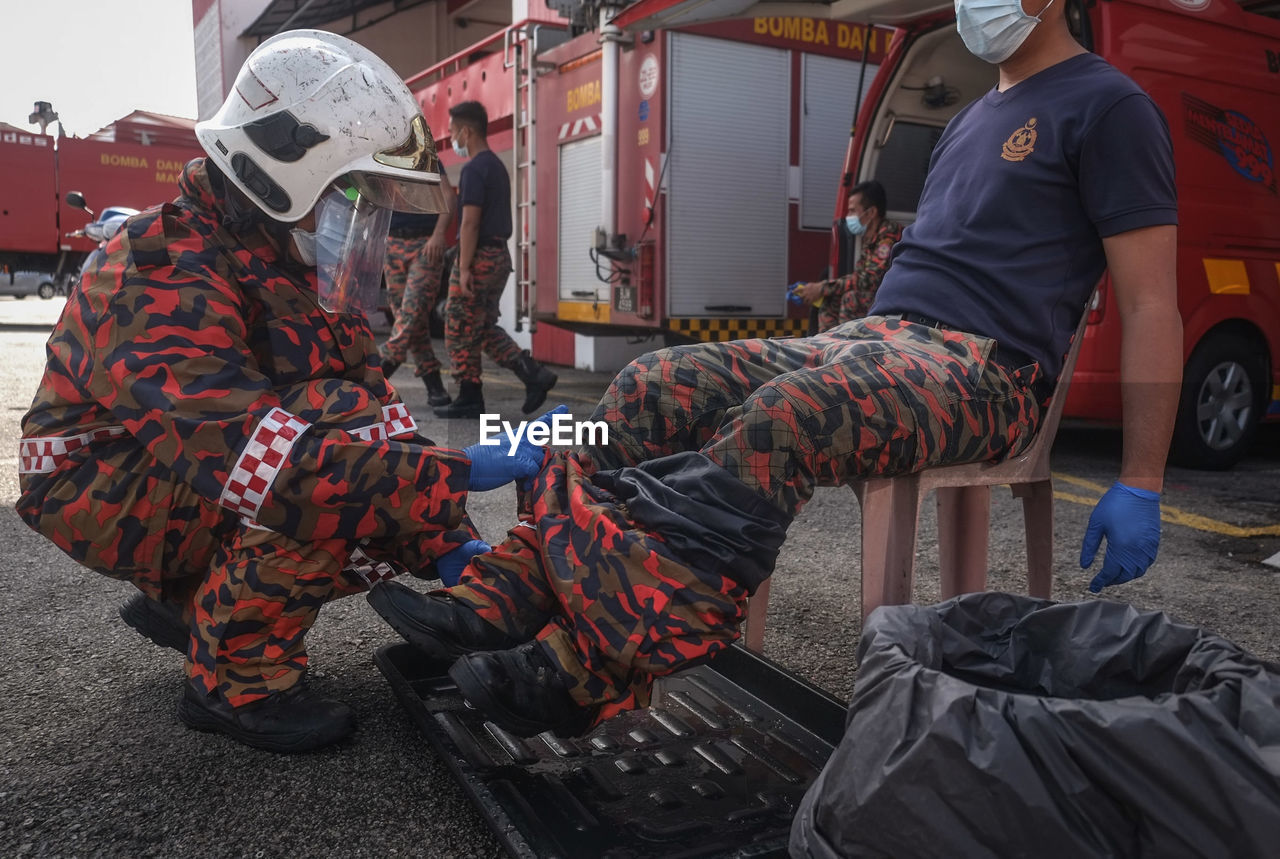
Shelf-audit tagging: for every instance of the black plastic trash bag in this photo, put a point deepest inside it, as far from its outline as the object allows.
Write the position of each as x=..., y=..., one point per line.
x=998, y=725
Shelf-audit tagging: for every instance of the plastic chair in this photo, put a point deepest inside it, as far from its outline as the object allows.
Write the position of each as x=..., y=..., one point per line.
x=891, y=507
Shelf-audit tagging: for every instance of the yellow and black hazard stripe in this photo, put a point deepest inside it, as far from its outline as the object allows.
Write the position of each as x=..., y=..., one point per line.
x=721, y=330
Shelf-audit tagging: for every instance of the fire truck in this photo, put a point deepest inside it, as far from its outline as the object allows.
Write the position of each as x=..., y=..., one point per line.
x=678, y=163
x=39, y=230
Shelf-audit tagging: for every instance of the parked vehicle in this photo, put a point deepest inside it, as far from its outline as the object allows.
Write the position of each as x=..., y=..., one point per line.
x=20, y=284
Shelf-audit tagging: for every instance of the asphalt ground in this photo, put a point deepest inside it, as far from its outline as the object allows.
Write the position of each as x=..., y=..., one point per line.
x=93, y=760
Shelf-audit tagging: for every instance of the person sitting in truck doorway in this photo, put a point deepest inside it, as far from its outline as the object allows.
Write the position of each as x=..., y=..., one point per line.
x=1062, y=171
x=480, y=272
x=849, y=296
x=213, y=425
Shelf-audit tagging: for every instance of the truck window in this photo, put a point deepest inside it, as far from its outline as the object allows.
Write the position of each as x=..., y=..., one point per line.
x=904, y=161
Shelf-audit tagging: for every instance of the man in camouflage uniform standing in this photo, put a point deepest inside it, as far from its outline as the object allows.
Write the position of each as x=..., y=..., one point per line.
x=212, y=424
x=415, y=260
x=480, y=272
x=850, y=296
x=644, y=566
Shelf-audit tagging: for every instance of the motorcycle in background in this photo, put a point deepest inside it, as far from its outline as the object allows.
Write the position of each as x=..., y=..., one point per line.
x=101, y=229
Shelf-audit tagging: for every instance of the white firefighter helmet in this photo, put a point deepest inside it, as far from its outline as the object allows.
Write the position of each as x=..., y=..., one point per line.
x=310, y=109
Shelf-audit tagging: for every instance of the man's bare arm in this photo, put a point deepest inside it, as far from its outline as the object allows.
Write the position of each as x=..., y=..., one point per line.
x=1143, y=265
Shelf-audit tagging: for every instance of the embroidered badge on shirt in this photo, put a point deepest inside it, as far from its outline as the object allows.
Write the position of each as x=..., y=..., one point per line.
x=1021, y=143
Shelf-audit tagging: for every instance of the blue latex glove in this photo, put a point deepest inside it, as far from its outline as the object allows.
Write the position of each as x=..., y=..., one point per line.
x=451, y=564
x=1130, y=520
x=791, y=293
x=494, y=465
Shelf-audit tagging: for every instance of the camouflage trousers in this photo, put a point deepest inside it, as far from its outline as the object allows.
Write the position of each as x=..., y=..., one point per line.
x=250, y=594
x=616, y=602
x=413, y=282
x=471, y=319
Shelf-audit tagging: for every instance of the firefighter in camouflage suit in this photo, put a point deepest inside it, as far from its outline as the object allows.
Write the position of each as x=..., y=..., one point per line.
x=213, y=424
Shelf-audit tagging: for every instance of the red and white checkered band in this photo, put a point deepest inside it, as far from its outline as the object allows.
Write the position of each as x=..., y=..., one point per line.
x=368, y=570
x=265, y=454
x=396, y=421
x=43, y=455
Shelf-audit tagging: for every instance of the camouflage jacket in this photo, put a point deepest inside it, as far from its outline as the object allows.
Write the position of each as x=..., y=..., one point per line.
x=867, y=273
x=207, y=349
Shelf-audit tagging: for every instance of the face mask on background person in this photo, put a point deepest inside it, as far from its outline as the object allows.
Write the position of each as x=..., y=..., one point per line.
x=459, y=149
x=993, y=29
x=854, y=224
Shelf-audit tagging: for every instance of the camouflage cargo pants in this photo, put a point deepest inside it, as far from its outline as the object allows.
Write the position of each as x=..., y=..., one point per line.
x=616, y=602
x=413, y=282
x=471, y=319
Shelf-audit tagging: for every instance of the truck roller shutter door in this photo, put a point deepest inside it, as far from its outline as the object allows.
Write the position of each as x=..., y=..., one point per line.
x=727, y=180
x=830, y=93
x=581, y=196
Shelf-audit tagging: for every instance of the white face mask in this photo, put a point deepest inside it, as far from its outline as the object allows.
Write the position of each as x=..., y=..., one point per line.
x=993, y=30
x=460, y=151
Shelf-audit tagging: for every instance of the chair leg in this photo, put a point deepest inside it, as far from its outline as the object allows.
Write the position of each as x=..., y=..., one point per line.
x=890, y=507
x=1037, y=516
x=964, y=526
x=757, y=607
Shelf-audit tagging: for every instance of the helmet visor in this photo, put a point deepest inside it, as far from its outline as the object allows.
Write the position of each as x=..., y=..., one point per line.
x=400, y=195
x=351, y=240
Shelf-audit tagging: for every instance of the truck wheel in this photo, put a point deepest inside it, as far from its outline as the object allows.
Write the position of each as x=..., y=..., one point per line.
x=1222, y=387
x=45, y=290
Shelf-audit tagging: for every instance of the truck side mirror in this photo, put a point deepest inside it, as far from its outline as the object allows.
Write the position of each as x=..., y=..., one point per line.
x=76, y=201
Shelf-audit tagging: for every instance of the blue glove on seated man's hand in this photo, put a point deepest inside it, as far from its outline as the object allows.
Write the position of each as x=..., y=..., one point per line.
x=451, y=564
x=1130, y=520
x=494, y=465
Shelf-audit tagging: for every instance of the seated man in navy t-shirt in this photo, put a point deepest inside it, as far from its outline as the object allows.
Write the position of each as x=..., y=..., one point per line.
x=644, y=566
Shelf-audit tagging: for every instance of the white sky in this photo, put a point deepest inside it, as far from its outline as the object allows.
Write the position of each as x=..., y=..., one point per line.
x=96, y=60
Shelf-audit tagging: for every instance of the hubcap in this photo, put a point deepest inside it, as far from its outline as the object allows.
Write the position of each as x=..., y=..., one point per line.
x=1224, y=406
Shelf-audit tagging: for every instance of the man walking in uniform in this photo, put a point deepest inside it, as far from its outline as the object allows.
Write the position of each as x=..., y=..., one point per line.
x=480, y=272
x=415, y=260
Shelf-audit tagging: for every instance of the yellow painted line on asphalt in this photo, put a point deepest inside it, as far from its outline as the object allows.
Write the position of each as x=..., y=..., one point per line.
x=1172, y=515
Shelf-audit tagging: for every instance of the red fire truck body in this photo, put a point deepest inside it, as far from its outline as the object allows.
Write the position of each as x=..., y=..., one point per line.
x=35, y=219
x=716, y=190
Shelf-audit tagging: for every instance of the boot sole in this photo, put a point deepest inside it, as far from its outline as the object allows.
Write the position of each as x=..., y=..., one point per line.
x=153, y=624
x=431, y=646
x=200, y=719
x=475, y=691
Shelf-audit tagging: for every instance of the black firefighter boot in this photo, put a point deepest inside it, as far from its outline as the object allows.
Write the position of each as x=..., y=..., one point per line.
x=538, y=380
x=469, y=404
x=436, y=394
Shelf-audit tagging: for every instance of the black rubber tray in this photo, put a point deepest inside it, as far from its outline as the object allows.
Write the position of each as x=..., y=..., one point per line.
x=716, y=767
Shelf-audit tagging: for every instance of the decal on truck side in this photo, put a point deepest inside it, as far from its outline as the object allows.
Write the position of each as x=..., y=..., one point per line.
x=1234, y=136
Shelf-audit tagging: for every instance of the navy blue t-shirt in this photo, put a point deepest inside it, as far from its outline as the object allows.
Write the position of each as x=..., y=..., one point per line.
x=1022, y=188
x=484, y=182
